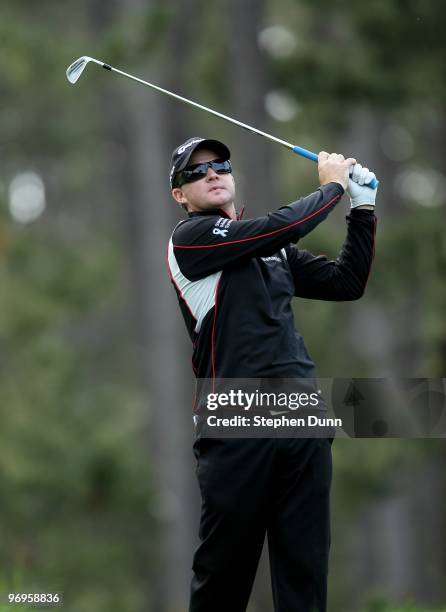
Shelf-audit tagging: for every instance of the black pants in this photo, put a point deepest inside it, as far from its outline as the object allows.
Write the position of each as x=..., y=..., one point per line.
x=249, y=487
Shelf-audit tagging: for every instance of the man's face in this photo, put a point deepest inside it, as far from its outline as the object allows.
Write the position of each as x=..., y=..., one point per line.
x=212, y=191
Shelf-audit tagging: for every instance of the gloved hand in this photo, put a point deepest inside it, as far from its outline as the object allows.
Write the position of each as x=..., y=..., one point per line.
x=358, y=191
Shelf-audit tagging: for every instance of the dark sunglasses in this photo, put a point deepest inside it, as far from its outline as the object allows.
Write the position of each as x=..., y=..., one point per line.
x=199, y=171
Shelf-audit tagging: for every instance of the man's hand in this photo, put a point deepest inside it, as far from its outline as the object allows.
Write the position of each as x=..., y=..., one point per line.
x=360, y=194
x=333, y=168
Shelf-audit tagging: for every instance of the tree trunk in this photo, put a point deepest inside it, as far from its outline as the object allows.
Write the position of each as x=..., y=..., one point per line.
x=248, y=87
x=138, y=123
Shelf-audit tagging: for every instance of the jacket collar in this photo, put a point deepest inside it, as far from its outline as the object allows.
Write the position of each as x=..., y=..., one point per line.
x=215, y=211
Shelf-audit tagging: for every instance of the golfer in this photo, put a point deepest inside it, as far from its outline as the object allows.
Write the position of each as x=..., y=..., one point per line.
x=235, y=280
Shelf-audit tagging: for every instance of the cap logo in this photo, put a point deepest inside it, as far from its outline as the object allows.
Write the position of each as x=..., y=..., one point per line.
x=189, y=144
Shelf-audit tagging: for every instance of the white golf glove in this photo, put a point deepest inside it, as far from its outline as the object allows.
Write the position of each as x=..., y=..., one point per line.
x=357, y=187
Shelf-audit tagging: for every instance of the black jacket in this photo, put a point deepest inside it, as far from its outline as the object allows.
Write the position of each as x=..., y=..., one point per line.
x=235, y=280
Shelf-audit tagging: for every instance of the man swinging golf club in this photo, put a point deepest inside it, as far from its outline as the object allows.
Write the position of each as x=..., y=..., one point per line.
x=235, y=280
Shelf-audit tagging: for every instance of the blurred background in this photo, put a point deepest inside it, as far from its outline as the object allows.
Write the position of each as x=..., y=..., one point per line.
x=98, y=497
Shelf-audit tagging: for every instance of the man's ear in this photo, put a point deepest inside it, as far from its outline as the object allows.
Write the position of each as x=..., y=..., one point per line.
x=179, y=197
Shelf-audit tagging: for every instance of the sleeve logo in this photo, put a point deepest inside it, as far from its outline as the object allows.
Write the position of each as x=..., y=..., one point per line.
x=220, y=232
x=221, y=227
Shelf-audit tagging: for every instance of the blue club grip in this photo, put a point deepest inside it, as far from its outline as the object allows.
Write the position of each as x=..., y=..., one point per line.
x=310, y=155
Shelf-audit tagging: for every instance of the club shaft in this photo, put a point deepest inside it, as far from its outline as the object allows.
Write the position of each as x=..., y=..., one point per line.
x=296, y=149
x=205, y=108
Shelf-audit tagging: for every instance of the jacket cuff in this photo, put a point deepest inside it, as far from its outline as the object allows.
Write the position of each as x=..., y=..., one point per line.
x=334, y=188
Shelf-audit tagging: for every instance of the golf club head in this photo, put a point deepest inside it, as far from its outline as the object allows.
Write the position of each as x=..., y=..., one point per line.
x=75, y=69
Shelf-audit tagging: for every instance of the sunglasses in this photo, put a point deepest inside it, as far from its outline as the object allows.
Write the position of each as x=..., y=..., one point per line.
x=199, y=171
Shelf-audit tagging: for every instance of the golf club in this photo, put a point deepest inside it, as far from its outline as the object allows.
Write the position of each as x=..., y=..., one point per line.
x=75, y=70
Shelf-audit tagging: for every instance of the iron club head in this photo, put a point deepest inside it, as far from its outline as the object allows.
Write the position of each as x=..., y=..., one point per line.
x=75, y=69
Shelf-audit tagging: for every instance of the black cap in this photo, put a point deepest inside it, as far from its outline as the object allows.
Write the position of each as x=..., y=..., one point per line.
x=183, y=153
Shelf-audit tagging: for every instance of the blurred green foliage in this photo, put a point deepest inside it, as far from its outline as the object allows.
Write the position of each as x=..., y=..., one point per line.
x=381, y=604
x=74, y=484
x=77, y=502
